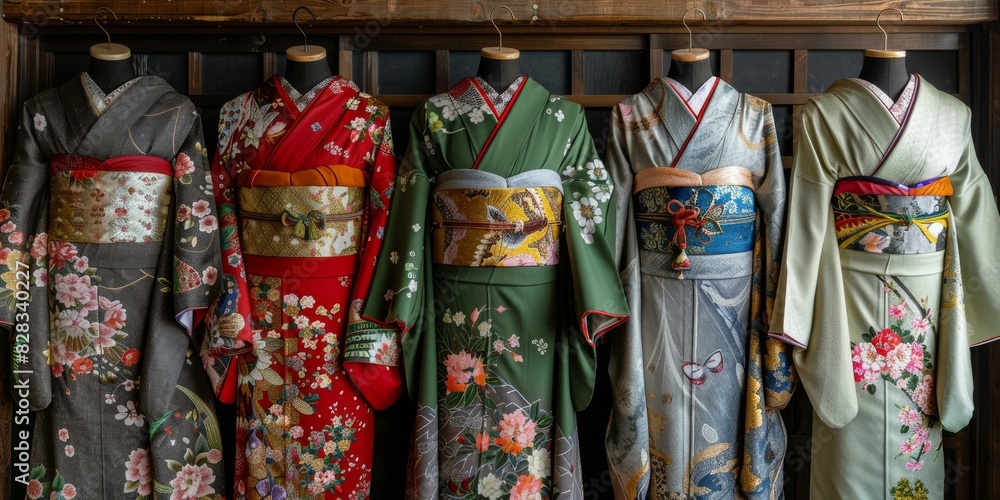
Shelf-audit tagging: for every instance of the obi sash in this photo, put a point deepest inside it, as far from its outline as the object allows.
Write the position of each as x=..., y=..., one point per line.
x=480, y=219
x=311, y=213
x=679, y=212
x=879, y=216
x=125, y=199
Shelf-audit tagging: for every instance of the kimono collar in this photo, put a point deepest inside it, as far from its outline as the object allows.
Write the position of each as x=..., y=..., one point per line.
x=906, y=155
x=685, y=129
x=98, y=98
x=299, y=99
x=83, y=117
x=695, y=101
x=898, y=108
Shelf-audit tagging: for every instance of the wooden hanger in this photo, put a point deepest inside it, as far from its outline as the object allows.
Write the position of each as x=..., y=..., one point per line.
x=499, y=52
x=690, y=54
x=109, y=51
x=304, y=53
x=885, y=53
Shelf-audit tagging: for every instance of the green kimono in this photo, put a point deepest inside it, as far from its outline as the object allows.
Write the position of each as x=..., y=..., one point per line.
x=499, y=272
x=890, y=274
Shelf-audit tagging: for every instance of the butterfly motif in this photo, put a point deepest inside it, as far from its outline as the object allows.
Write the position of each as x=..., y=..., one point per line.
x=695, y=372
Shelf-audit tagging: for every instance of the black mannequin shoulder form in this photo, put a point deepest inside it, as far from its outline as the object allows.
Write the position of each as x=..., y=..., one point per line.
x=304, y=75
x=886, y=73
x=500, y=74
x=109, y=75
x=691, y=74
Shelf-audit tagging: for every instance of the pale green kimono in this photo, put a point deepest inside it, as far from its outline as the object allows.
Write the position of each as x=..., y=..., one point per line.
x=883, y=327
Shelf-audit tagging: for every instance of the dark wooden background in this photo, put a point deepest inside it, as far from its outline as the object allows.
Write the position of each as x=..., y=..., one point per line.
x=595, y=52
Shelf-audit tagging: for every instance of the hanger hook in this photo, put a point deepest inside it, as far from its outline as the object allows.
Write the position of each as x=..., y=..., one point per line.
x=684, y=22
x=878, y=22
x=98, y=23
x=305, y=42
x=500, y=46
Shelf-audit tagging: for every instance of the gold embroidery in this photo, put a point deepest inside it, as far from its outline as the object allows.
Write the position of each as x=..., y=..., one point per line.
x=496, y=227
x=301, y=221
x=109, y=206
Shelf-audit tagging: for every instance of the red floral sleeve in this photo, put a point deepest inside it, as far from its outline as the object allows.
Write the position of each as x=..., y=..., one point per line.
x=371, y=356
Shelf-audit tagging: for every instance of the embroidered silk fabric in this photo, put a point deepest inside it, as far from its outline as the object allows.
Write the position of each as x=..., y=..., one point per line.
x=883, y=327
x=304, y=184
x=696, y=383
x=107, y=217
x=499, y=358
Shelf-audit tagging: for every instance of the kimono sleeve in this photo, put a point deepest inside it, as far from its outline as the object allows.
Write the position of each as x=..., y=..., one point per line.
x=970, y=302
x=24, y=299
x=775, y=360
x=977, y=224
x=626, y=438
x=227, y=325
x=196, y=227
x=399, y=287
x=588, y=219
x=371, y=356
x=809, y=306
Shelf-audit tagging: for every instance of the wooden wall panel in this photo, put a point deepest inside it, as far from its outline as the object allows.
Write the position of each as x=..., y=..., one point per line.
x=468, y=11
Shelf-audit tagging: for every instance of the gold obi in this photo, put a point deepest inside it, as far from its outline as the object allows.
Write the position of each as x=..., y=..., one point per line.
x=113, y=206
x=495, y=226
x=301, y=221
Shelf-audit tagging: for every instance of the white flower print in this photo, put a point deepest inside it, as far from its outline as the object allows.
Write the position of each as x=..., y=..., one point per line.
x=499, y=346
x=539, y=463
x=602, y=191
x=560, y=116
x=449, y=113
x=596, y=170
x=485, y=327
x=109, y=398
x=588, y=214
x=307, y=302
x=358, y=124
x=40, y=122
x=459, y=317
x=412, y=286
x=129, y=414
x=394, y=257
x=416, y=228
x=476, y=116
x=569, y=171
x=541, y=345
x=491, y=487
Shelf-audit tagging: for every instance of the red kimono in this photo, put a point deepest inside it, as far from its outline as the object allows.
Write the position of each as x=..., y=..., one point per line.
x=303, y=185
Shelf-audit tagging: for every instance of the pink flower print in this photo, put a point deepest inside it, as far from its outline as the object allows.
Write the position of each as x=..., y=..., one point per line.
x=897, y=311
x=908, y=416
x=875, y=242
x=201, y=208
x=114, y=313
x=105, y=339
x=74, y=290
x=461, y=368
x=914, y=465
x=923, y=395
x=897, y=360
x=499, y=347
x=514, y=341
x=927, y=447
x=908, y=447
x=183, y=166
x=208, y=224
x=76, y=330
x=39, y=246
x=63, y=435
x=16, y=238
x=41, y=276
x=209, y=275
x=183, y=213
x=8, y=227
x=501, y=309
x=81, y=264
x=61, y=252
x=473, y=316
x=69, y=491
x=193, y=481
x=69, y=450
x=214, y=456
x=921, y=435
x=920, y=326
x=519, y=260
x=916, y=364
x=885, y=341
x=139, y=470
x=34, y=489
x=858, y=363
x=869, y=362
x=527, y=488
x=517, y=432
x=517, y=357
x=482, y=442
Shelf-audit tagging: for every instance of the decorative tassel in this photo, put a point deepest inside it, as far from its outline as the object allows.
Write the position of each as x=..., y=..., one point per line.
x=681, y=262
